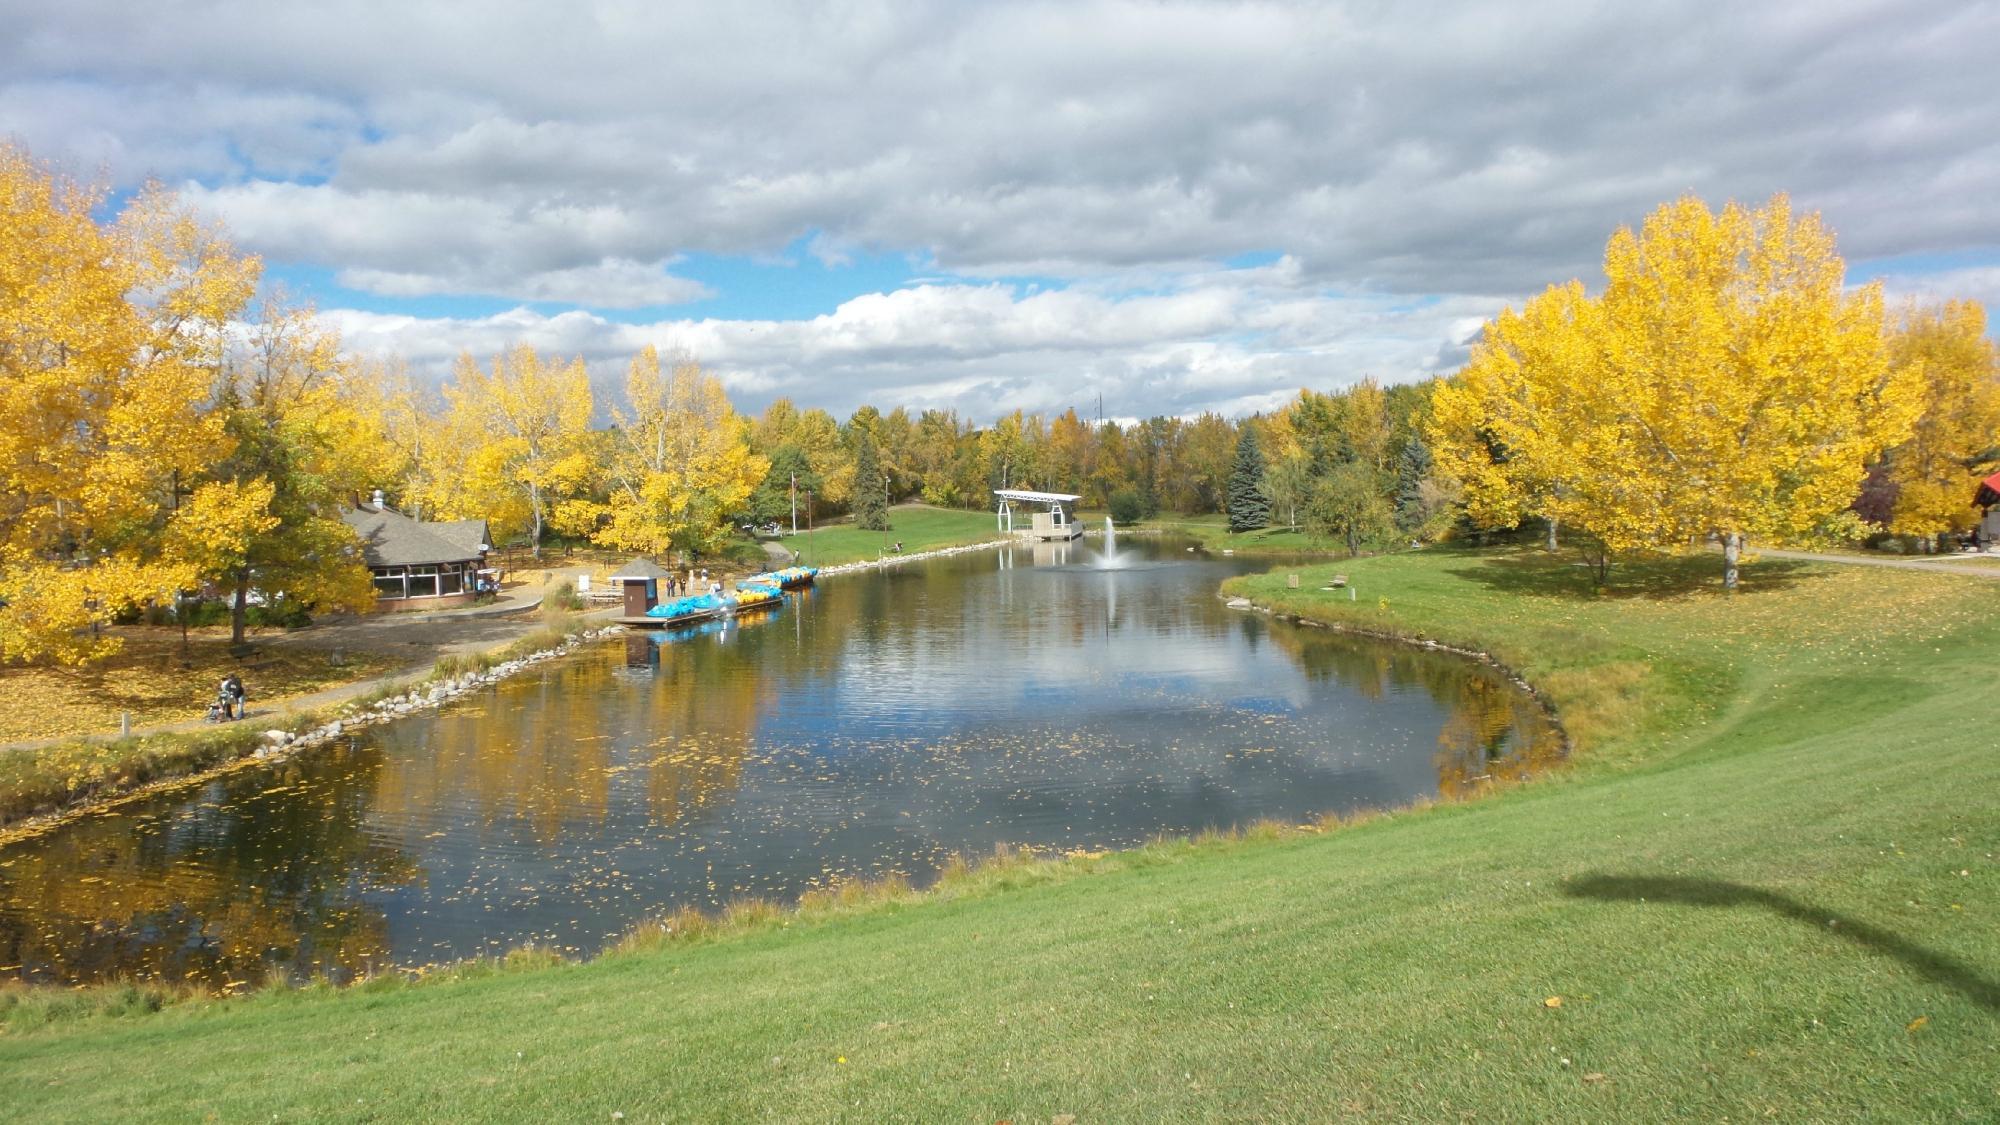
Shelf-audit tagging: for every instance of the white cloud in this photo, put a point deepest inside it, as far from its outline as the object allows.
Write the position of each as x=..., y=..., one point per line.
x=1416, y=147
x=1977, y=283
x=1231, y=341
x=1405, y=161
x=615, y=283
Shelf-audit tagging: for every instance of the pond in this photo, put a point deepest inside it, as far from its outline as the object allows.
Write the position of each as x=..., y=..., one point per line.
x=1059, y=697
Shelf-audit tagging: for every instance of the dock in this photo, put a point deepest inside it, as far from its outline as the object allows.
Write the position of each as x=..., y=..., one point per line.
x=647, y=621
x=644, y=622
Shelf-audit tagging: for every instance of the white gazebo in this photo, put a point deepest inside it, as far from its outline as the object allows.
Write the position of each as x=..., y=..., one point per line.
x=1053, y=523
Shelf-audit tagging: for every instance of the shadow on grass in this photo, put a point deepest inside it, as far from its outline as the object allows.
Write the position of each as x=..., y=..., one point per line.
x=1566, y=575
x=1937, y=967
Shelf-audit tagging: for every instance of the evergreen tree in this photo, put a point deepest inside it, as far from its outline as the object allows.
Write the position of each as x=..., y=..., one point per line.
x=871, y=501
x=1249, y=508
x=774, y=497
x=1413, y=468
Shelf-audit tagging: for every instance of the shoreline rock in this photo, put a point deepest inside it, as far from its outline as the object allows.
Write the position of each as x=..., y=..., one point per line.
x=914, y=556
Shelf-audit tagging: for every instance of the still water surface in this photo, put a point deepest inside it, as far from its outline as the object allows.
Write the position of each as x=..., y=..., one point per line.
x=1059, y=697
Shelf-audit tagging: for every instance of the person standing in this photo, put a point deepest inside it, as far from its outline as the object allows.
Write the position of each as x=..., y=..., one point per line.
x=232, y=690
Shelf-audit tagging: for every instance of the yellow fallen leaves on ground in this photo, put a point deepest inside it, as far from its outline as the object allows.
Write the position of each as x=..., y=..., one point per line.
x=151, y=679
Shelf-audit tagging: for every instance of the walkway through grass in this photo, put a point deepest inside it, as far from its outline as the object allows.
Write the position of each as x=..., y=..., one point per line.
x=1768, y=890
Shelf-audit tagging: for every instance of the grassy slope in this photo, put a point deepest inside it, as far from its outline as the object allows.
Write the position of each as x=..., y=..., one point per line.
x=1212, y=529
x=919, y=527
x=1769, y=889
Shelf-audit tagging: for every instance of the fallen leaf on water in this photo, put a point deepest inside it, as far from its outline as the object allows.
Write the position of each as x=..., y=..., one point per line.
x=1553, y=1002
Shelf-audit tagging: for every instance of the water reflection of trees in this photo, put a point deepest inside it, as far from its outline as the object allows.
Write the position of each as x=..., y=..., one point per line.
x=265, y=869
x=675, y=714
x=1494, y=733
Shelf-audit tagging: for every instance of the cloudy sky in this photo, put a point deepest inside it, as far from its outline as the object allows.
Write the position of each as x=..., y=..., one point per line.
x=1178, y=206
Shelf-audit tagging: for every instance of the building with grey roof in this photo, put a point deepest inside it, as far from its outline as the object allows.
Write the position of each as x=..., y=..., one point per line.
x=419, y=564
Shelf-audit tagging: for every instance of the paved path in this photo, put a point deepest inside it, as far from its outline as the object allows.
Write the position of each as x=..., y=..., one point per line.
x=1950, y=564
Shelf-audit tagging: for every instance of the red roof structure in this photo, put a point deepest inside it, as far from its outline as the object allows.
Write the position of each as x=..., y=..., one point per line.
x=1989, y=492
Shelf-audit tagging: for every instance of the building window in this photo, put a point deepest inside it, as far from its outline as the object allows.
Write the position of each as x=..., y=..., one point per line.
x=389, y=583
x=451, y=580
x=424, y=581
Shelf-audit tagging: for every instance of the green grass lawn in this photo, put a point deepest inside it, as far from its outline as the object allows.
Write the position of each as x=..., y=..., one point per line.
x=919, y=527
x=1768, y=890
x=1212, y=529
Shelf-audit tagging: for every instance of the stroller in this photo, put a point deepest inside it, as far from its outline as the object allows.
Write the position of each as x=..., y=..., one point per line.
x=228, y=701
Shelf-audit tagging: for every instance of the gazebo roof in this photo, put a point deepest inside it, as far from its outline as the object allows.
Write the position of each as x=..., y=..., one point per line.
x=390, y=538
x=639, y=570
x=1024, y=496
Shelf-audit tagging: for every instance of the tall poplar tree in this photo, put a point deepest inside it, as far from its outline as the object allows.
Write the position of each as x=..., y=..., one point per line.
x=309, y=437
x=682, y=463
x=518, y=441
x=110, y=337
x=1727, y=383
x=1956, y=440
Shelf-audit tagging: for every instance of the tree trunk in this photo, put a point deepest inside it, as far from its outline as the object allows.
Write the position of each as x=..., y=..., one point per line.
x=1732, y=553
x=239, y=612
x=535, y=512
x=1551, y=544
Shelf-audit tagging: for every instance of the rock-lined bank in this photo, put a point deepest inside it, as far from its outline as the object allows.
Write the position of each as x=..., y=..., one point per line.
x=914, y=556
x=426, y=696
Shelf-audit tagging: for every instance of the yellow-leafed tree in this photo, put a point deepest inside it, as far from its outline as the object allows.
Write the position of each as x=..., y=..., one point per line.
x=308, y=439
x=682, y=464
x=111, y=335
x=1726, y=382
x=1956, y=440
x=515, y=444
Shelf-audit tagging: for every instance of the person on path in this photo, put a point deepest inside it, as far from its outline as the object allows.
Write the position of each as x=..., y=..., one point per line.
x=232, y=689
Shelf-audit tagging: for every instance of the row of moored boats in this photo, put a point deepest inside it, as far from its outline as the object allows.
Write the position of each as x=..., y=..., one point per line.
x=758, y=591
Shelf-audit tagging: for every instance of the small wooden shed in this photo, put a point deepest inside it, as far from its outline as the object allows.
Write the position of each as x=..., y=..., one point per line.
x=640, y=581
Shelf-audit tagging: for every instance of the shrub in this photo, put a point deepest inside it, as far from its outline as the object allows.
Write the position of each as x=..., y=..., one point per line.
x=1127, y=507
